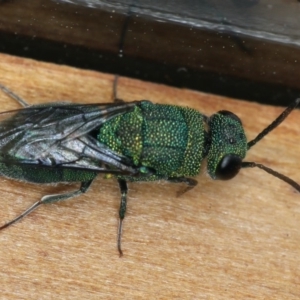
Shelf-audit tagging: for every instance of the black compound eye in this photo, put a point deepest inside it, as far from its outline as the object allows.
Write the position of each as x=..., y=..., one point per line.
x=229, y=114
x=228, y=167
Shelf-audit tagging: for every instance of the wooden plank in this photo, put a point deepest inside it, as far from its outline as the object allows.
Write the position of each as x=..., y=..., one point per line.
x=223, y=240
x=225, y=47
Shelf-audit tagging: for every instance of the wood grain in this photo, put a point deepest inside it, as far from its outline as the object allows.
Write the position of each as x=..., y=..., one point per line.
x=223, y=240
x=207, y=40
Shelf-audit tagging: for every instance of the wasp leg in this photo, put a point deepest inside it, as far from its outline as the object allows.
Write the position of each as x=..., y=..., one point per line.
x=122, y=211
x=11, y=94
x=115, y=91
x=190, y=182
x=50, y=199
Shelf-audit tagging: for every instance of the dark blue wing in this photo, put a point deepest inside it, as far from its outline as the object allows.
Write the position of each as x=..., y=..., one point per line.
x=58, y=134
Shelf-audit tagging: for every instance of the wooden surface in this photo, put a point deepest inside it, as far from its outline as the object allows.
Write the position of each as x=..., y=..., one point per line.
x=205, y=45
x=238, y=239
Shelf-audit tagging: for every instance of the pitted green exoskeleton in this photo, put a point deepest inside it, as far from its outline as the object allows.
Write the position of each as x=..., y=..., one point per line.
x=135, y=141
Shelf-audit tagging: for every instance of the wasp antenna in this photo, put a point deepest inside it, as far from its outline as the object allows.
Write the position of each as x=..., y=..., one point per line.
x=282, y=177
x=275, y=123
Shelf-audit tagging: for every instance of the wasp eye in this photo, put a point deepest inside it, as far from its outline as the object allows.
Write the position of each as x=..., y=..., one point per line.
x=228, y=167
x=230, y=115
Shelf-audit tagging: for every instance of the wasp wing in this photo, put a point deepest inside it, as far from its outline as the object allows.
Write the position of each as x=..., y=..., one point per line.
x=58, y=134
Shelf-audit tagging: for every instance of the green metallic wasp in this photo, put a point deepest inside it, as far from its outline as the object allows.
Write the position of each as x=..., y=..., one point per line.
x=135, y=141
